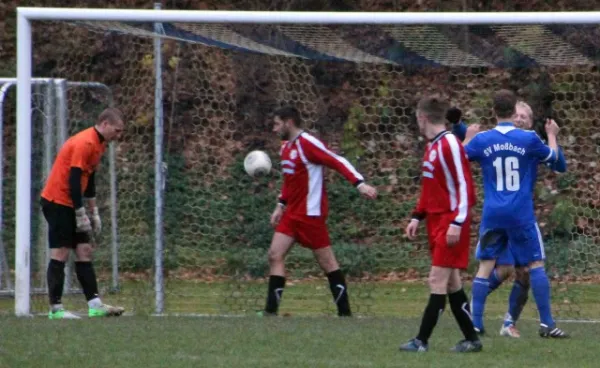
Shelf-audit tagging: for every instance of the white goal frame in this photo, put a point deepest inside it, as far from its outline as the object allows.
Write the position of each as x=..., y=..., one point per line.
x=26, y=15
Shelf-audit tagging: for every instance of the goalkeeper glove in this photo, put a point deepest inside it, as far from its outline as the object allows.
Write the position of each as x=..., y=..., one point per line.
x=96, y=222
x=82, y=221
x=453, y=115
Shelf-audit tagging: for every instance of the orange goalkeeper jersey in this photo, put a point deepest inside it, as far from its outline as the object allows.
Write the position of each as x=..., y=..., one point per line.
x=83, y=150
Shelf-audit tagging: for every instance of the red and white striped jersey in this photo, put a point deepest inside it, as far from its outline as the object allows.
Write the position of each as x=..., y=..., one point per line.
x=447, y=182
x=302, y=164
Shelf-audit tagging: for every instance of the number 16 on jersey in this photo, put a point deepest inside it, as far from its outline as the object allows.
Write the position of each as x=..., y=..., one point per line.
x=507, y=173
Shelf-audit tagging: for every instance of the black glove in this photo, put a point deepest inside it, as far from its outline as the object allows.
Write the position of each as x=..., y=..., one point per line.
x=453, y=115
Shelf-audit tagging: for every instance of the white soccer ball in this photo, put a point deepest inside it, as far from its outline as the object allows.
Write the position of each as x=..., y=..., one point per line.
x=257, y=163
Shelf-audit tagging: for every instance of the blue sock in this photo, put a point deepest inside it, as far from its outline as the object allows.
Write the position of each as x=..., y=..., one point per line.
x=540, y=287
x=516, y=302
x=494, y=282
x=479, y=294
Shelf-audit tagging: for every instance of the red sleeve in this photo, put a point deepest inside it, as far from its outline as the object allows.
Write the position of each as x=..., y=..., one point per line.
x=453, y=153
x=283, y=196
x=315, y=151
x=419, y=212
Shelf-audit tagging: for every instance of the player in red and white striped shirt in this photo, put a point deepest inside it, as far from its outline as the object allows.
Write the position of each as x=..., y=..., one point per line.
x=447, y=195
x=301, y=214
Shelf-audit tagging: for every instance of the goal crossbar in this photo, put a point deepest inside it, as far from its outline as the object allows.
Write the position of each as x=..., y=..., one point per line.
x=24, y=74
x=295, y=17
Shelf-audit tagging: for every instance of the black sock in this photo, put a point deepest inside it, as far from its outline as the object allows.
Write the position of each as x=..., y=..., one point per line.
x=56, y=280
x=87, y=279
x=433, y=310
x=460, y=308
x=339, y=290
x=276, y=285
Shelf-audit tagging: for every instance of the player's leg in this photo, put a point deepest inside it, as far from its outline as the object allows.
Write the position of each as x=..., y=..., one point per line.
x=84, y=269
x=540, y=287
x=438, y=288
x=491, y=244
x=516, y=302
x=459, y=305
x=529, y=249
x=61, y=241
x=312, y=233
x=504, y=268
x=337, y=281
x=281, y=244
x=501, y=272
x=521, y=291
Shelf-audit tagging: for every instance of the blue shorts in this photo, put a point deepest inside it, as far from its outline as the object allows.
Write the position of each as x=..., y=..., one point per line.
x=505, y=258
x=515, y=246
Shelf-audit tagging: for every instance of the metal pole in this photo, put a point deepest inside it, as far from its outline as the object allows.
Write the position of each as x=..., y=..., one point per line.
x=308, y=17
x=112, y=163
x=5, y=272
x=23, y=192
x=37, y=244
x=62, y=133
x=158, y=170
x=48, y=137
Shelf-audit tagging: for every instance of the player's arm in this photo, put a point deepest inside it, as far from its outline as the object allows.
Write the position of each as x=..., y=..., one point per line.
x=560, y=165
x=281, y=204
x=81, y=154
x=283, y=196
x=417, y=215
x=75, y=186
x=459, y=128
x=90, y=196
x=280, y=207
x=544, y=153
x=473, y=148
x=452, y=155
x=316, y=152
x=90, y=190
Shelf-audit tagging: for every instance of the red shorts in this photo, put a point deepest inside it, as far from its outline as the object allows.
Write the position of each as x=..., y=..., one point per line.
x=456, y=256
x=310, y=232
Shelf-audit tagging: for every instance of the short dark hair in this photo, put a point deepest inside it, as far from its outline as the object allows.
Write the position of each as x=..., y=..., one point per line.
x=289, y=112
x=434, y=107
x=111, y=114
x=505, y=102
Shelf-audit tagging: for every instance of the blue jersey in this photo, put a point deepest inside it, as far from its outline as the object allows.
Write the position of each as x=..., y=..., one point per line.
x=508, y=157
x=560, y=165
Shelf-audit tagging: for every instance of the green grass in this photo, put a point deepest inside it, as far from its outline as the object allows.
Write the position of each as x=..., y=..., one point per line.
x=310, y=298
x=311, y=337
x=268, y=342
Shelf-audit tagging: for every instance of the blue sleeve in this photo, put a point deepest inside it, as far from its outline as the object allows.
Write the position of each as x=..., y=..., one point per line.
x=473, y=148
x=460, y=130
x=540, y=150
x=560, y=165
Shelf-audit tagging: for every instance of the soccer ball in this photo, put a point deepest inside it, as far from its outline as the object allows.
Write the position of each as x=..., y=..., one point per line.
x=257, y=163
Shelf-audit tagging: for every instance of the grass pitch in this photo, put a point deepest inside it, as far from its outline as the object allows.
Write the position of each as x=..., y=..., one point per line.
x=309, y=338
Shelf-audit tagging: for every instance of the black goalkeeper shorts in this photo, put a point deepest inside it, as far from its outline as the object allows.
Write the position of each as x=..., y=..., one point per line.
x=62, y=225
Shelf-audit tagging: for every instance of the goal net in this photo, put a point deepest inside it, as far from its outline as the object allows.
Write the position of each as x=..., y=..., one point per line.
x=357, y=87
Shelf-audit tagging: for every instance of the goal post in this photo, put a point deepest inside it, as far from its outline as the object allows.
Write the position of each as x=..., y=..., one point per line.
x=25, y=17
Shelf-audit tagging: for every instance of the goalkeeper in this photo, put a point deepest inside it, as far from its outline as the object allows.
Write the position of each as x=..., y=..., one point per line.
x=69, y=227
x=505, y=264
